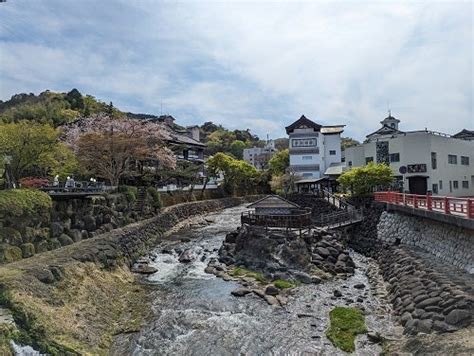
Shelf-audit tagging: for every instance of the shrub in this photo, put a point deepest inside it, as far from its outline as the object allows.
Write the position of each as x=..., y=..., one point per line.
x=155, y=196
x=129, y=191
x=283, y=284
x=33, y=182
x=18, y=202
x=346, y=323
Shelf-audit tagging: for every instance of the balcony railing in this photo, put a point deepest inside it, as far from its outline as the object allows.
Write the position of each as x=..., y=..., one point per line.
x=463, y=207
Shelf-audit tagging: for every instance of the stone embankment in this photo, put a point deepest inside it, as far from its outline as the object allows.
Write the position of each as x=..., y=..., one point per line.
x=267, y=263
x=449, y=243
x=426, y=299
x=74, y=299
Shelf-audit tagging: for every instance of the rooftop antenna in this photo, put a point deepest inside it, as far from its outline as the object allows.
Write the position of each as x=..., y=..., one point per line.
x=388, y=108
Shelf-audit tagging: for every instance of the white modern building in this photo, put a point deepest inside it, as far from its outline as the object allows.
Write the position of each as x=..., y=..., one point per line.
x=259, y=156
x=422, y=161
x=313, y=147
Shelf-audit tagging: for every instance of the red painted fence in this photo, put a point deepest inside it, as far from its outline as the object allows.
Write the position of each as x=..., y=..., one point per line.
x=463, y=207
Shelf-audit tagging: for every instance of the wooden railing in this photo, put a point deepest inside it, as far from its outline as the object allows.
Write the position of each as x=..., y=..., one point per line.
x=299, y=220
x=463, y=207
x=334, y=200
x=339, y=218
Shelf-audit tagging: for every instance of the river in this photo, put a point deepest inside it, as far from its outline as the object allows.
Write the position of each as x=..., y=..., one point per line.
x=193, y=313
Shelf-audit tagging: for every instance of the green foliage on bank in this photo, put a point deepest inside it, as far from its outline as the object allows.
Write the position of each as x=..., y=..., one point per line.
x=284, y=284
x=364, y=180
x=242, y=272
x=240, y=177
x=155, y=197
x=129, y=191
x=346, y=324
x=29, y=331
x=18, y=202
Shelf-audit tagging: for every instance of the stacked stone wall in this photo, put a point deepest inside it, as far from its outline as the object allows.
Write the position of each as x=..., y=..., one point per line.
x=424, y=298
x=449, y=243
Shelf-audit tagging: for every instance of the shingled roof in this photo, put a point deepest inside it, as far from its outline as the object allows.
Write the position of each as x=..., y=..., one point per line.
x=302, y=121
x=273, y=201
x=385, y=130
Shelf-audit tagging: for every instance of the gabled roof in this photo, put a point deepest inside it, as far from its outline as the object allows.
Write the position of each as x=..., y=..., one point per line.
x=385, y=130
x=273, y=201
x=389, y=118
x=465, y=134
x=303, y=122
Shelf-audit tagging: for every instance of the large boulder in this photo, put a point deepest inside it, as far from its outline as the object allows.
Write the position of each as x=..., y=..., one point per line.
x=27, y=249
x=9, y=253
x=10, y=236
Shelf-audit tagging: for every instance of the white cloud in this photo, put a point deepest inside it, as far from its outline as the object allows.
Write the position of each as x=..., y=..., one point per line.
x=259, y=65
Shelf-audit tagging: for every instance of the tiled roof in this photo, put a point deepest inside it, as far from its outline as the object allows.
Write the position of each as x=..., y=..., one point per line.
x=273, y=201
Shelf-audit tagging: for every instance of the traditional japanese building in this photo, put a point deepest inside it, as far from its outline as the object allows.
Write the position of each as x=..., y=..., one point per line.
x=422, y=161
x=313, y=147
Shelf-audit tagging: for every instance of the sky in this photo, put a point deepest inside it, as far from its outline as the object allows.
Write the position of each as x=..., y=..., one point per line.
x=257, y=65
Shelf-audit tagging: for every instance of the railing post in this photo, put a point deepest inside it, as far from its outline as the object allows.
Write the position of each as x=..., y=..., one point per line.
x=429, y=202
x=415, y=202
x=446, y=205
x=470, y=208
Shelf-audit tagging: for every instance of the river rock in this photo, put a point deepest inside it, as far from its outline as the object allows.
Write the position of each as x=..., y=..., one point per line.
x=359, y=286
x=187, y=256
x=272, y=290
x=271, y=300
x=144, y=269
x=337, y=293
x=459, y=317
x=240, y=292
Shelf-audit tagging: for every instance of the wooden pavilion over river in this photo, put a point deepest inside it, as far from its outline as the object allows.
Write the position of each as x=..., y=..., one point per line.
x=274, y=211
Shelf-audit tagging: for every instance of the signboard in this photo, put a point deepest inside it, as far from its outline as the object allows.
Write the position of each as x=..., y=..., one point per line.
x=402, y=169
x=416, y=168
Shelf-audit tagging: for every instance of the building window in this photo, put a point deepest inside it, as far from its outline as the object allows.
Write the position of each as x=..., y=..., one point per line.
x=307, y=158
x=394, y=157
x=369, y=159
x=435, y=188
x=465, y=184
x=332, y=152
x=303, y=142
x=455, y=184
x=465, y=160
x=440, y=185
x=350, y=163
x=452, y=159
x=434, y=162
x=307, y=174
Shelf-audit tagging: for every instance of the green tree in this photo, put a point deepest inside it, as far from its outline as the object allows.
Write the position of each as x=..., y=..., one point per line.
x=237, y=149
x=32, y=148
x=280, y=162
x=365, y=180
x=74, y=98
x=240, y=177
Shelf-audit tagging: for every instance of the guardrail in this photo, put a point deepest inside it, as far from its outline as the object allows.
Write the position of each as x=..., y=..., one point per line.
x=463, y=207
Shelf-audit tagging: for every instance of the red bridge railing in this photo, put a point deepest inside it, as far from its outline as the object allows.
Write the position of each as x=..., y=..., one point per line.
x=463, y=207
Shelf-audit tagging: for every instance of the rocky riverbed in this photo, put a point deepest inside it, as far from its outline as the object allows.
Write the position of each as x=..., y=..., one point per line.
x=195, y=313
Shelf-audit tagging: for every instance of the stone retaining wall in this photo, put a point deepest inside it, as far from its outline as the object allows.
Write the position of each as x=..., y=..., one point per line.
x=451, y=244
x=123, y=245
x=425, y=299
